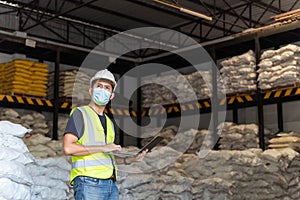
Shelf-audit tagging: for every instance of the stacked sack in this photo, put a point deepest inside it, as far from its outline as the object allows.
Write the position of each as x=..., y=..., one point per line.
x=279, y=67
x=35, y=121
x=292, y=176
x=39, y=79
x=172, y=88
x=38, y=141
x=220, y=174
x=201, y=82
x=241, y=137
x=72, y=84
x=50, y=177
x=239, y=73
x=201, y=138
x=16, y=183
x=286, y=140
x=10, y=115
x=246, y=171
x=61, y=126
x=24, y=77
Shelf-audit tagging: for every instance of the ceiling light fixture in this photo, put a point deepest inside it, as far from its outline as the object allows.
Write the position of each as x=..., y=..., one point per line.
x=184, y=10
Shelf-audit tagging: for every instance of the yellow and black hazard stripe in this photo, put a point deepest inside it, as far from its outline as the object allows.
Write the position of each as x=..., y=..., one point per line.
x=31, y=101
x=279, y=93
x=239, y=99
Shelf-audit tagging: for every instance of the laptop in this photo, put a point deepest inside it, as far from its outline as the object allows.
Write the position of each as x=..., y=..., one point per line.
x=150, y=145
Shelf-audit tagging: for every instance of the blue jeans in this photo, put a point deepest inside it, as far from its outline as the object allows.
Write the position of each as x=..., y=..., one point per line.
x=87, y=188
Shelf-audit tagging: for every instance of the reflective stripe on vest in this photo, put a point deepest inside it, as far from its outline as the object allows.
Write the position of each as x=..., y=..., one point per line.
x=91, y=163
x=96, y=165
x=91, y=133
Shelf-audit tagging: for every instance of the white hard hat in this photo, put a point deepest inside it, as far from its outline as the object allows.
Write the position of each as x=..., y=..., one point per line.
x=104, y=74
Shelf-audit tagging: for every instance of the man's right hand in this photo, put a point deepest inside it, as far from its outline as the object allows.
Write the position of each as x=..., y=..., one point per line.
x=111, y=147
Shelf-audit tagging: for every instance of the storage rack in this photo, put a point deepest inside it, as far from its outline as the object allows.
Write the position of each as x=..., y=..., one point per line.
x=257, y=40
x=59, y=54
x=261, y=39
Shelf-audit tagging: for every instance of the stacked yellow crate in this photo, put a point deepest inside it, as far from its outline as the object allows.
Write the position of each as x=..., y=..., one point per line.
x=24, y=77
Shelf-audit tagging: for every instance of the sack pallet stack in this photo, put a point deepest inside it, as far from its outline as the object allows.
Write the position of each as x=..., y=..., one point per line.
x=72, y=84
x=25, y=177
x=286, y=140
x=247, y=174
x=239, y=73
x=50, y=177
x=172, y=88
x=24, y=77
x=62, y=123
x=241, y=137
x=38, y=142
x=16, y=183
x=279, y=68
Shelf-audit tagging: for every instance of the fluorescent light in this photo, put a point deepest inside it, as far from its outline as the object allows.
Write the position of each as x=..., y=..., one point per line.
x=195, y=14
x=184, y=10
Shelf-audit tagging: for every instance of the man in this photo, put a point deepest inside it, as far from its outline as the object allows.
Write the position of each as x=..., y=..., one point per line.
x=89, y=139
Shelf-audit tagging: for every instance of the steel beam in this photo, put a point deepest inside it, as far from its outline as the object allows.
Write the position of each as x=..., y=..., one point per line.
x=171, y=12
x=60, y=14
x=266, y=9
x=218, y=10
x=263, y=5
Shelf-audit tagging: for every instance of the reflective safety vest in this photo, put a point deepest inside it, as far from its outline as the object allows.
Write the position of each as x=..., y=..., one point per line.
x=96, y=165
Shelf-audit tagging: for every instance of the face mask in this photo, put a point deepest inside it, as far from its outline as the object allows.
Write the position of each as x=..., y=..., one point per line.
x=101, y=96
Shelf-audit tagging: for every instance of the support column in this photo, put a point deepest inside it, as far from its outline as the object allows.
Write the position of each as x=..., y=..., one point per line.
x=214, y=100
x=56, y=96
x=235, y=114
x=139, y=111
x=280, y=116
x=260, y=108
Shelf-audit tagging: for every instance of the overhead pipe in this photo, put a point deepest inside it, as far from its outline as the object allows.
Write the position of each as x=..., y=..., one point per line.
x=185, y=10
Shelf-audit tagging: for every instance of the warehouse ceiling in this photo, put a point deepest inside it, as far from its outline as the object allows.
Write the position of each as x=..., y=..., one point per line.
x=88, y=22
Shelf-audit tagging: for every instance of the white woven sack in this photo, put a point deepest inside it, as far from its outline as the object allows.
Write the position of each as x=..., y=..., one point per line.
x=9, y=128
x=13, y=191
x=10, y=154
x=15, y=172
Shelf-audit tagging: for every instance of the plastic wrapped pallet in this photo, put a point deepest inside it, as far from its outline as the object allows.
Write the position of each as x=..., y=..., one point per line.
x=278, y=68
x=239, y=73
